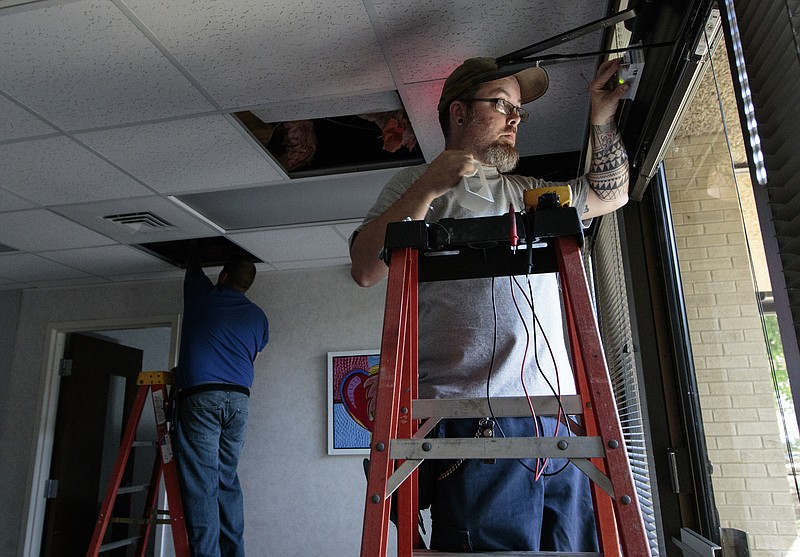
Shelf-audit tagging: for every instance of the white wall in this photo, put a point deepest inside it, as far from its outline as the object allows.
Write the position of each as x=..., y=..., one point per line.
x=299, y=501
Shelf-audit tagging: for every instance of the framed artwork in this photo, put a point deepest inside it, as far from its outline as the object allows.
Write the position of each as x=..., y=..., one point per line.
x=352, y=378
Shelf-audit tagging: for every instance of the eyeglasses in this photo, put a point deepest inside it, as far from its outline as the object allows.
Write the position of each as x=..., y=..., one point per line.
x=504, y=107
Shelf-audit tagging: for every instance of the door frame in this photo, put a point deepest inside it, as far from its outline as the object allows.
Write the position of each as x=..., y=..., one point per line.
x=48, y=406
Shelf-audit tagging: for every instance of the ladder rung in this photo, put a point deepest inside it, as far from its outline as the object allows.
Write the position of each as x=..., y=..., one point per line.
x=144, y=444
x=133, y=489
x=119, y=543
x=428, y=553
x=120, y=520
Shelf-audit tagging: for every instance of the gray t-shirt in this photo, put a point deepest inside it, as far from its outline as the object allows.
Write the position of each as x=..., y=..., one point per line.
x=457, y=318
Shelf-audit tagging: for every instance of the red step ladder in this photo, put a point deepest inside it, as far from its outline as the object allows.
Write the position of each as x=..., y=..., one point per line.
x=398, y=444
x=154, y=382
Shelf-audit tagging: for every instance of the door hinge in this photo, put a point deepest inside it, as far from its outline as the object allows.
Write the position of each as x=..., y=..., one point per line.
x=51, y=489
x=679, y=468
x=65, y=367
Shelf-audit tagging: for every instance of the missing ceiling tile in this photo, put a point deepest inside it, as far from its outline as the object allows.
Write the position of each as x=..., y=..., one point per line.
x=334, y=145
x=214, y=251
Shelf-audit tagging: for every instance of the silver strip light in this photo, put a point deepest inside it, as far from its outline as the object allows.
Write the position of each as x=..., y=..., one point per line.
x=747, y=97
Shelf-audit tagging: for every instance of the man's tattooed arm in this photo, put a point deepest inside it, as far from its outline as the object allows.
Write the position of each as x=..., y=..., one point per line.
x=608, y=174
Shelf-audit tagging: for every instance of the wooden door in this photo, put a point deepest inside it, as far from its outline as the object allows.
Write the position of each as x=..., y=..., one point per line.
x=78, y=440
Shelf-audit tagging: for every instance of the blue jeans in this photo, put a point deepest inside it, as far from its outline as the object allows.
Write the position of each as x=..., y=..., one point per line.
x=210, y=434
x=500, y=506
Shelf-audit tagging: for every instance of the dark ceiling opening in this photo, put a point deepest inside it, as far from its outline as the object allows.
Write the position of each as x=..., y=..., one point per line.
x=335, y=145
x=214, y=251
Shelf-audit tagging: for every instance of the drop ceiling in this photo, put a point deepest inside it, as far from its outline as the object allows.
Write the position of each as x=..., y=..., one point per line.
x=111, y=107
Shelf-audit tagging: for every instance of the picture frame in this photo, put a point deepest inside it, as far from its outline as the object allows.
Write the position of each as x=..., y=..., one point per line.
x=350, y=376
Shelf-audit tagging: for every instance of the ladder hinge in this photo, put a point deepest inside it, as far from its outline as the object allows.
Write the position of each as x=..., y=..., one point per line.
x=65, y=367
x=51, y=489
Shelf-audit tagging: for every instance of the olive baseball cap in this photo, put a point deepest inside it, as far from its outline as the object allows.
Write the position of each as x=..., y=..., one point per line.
x=533, y=81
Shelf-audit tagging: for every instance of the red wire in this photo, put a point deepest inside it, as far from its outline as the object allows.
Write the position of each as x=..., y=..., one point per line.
x=539, y=464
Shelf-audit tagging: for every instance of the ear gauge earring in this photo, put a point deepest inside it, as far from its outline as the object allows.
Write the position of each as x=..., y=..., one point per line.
x=460, y=121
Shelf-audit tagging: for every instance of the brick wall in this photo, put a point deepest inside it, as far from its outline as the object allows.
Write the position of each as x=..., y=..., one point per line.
x=735, y=386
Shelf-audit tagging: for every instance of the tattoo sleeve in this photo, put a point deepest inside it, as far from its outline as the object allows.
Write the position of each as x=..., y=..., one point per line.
x=608, y=173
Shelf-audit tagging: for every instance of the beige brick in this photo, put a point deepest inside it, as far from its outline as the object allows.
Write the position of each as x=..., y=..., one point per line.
x=739, y=275
x=733, y=388
x=717, y=266
x=720, y=430
x=767, y=429
x=722, y=457
x=734, y=514
x=709, y=349
x=754, y=335
x=688, y=230
x=710, y=377
x=775, y=467
x=740, y=415
x=741, y=470
x=700, y=300
x=694, y=277
x=718, y=311
x=767, y=546
x=721, y=287
x=759, y=402
x=728, y=484
x=710, y=241
x=746, y=285
x=752, y=348
x=742, y=499
x=686, y=207
x=698, y=326
x=739, y=442
x=708, y=219
x=759, y=374
x=692, y=254
x=687, y=174
x=722, y=337
x=776, y=513
x=762, y=527
x=740, y=323
x=727, y=361
x=764, y=484
x=714, y=401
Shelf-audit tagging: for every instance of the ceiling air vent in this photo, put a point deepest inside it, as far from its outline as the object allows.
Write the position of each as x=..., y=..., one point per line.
x=140, y=222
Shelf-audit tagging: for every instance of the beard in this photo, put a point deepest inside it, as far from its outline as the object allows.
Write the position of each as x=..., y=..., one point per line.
x=502, y=155
x=497, y=153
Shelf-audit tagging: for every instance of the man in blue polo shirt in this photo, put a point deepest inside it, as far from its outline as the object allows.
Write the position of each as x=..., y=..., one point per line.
x=221, y=335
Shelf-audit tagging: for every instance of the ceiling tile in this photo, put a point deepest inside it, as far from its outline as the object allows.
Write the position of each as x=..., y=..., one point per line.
x=429, y=39
x=11, y=202
x=109, y=260
x=154, y=276
x=231, y=48
x=58, y=170
x=293, y=244
x=202, y=153
x=314, y=263
x=328, y=107
x=39, y=230
x=184, y=224
x=303, y=201
x=346, y=230
x=84, y=64
x=559, y=120
x=17, y=123
x=27, y=267
x=420, y=101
